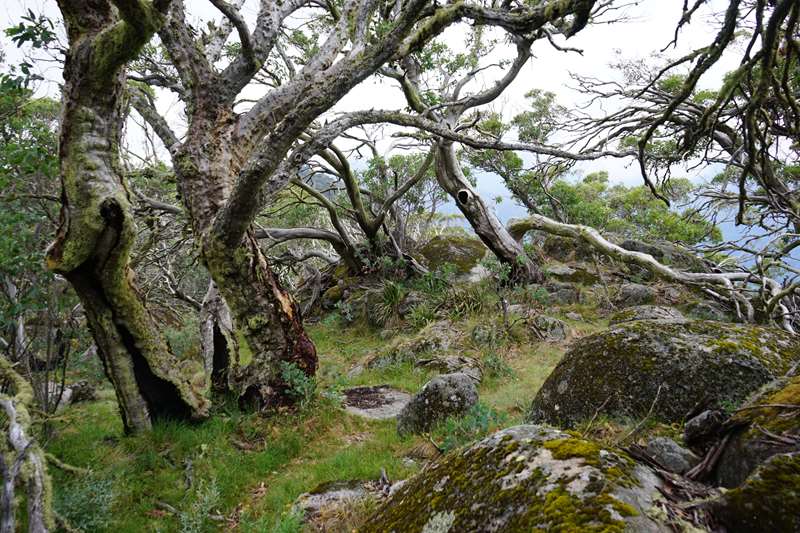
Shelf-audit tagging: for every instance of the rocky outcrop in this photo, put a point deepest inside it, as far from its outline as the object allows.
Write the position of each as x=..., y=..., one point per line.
x=525, y=478
x=645, y=312
x=666, y=367
x=769, y=424
x=768, y=501
x=443, y=396
x=436, y=337
x=462, y=252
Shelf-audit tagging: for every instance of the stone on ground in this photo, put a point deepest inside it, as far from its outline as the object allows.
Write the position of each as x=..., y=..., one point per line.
x=671, y=455
x=645, y=312
x=441, y=397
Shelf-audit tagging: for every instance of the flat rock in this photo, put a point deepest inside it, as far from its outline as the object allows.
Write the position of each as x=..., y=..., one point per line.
x=450, y=364
x=376, y=403
x=645, y=312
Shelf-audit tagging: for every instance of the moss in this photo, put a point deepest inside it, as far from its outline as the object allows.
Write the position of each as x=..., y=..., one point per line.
x=572, y=447
x=506, y=482
x=463, y=252
x=767, y=501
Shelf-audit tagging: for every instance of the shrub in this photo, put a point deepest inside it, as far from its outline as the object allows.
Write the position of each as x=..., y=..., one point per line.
x=495, y=366
x=86, y=503
x=478, y=422
x=301, y=386
x=195, y=518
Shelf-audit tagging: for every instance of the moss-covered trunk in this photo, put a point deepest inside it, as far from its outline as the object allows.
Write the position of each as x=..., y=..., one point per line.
x=93, y=244
x=218, y=340
x=266, y=315
x=482, y=219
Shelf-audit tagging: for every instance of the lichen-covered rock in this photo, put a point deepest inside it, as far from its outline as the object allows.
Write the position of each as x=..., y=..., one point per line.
x=768, y=501
x=525, y=478
x=631, y=294
x=667, y=366
x=463, y=252
x=484, y=333
x=450, y=364
x=436, y=337
x=671, y=455
x=443, y=396
x=769, y=424
x=550, y=329
x=645, y=312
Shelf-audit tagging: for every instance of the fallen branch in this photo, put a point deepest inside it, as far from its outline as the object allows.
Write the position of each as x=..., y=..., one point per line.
x=519, y=227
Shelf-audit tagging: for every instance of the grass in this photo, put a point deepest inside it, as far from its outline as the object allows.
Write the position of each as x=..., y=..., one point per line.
x=249, y=470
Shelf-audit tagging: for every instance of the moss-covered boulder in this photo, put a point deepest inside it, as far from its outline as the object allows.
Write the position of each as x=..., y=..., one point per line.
x=525, y=478
x=669, y=366
x=768, y=501
x=463, y=252
x=767, y=425
x=443, y=396
x=645, y=312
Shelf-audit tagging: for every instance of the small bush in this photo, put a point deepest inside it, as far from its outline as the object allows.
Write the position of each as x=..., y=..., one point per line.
x=301, y=386
x=86, y=504
x=495, y=366
x=185, y=339
x=195, y=518
x=437, y=281
x=421, y=315
x=461, y=302
x=391, y=297
x=478, y=422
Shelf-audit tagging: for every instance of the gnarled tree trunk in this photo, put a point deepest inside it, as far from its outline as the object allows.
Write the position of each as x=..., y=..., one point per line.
x=93, y=244
x=482, y=219
x=217, y=339
x=266, y=314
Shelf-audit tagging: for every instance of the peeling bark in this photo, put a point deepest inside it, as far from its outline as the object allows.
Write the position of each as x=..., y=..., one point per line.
x=93, y=243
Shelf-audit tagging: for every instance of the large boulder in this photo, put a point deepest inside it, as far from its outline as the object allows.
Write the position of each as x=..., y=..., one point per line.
x=769, y=424
x=441, y=397
x=768, y=501
x=645, y=312
x=667, y=367
x=525, y=478
x=463, y=252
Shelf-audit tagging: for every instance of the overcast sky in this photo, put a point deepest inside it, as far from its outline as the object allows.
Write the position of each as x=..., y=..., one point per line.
x=649, y=27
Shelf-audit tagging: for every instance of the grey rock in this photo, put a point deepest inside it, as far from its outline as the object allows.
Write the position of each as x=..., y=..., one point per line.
x=643, y=247
x=671, y=455
x=443, y=396
x=631, y=294
x=509, y=481
x=671, y=366
x=645, y=312
x=702, y=429
x=549, y=329
x=572, y=315
x=572, y=274
x=411, y=300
